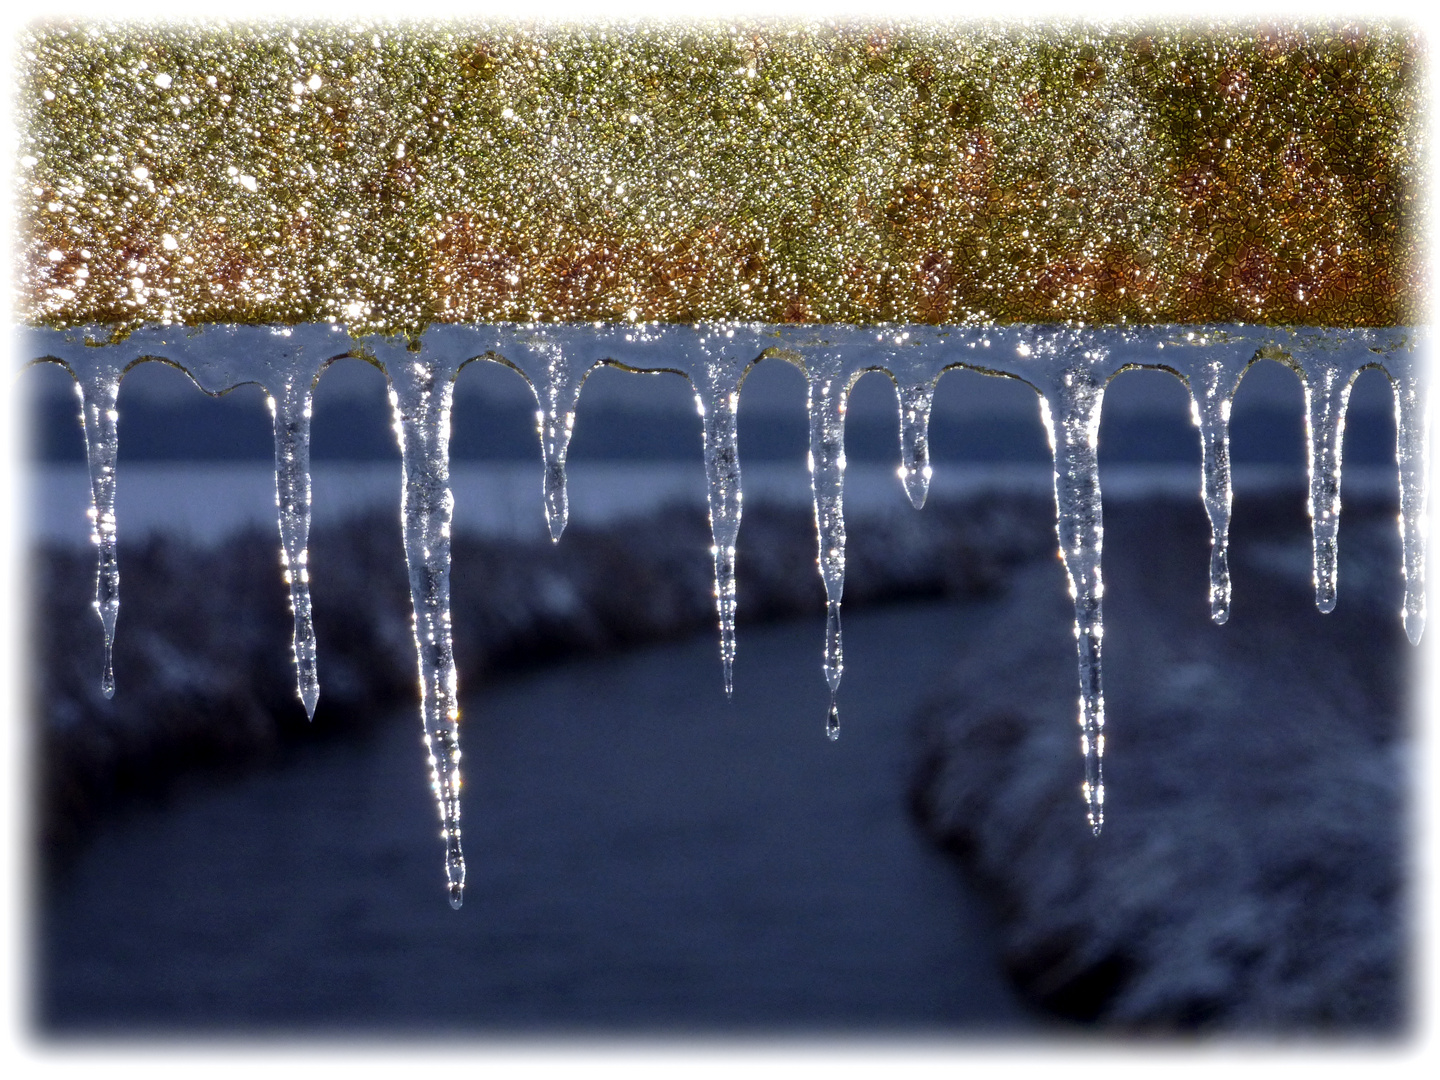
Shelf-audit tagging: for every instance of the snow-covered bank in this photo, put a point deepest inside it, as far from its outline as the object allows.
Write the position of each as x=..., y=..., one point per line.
x=209, y=501
x=1251, y=876
x=203, y=663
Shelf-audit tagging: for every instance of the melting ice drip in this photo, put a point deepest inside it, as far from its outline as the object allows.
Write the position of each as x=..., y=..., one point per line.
x=1068, y=367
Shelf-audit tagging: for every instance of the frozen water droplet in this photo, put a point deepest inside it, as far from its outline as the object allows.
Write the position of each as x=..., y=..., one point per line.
x=832, y=718
x=1070, y=410
x=1327, y=392
x=422, y=394
x=291, y=407
x=457, y=894
x=717, y=397
x=915, y=471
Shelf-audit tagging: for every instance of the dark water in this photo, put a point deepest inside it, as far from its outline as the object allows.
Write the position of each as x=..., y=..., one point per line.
x=644, y=857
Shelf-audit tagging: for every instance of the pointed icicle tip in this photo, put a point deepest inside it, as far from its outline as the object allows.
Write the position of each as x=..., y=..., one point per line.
x=1414, y=625
x=310, y=697
x=556, y=517
x=832, y=720
x=107, y=677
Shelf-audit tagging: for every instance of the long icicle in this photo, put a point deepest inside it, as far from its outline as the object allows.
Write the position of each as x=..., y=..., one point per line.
x=826, y=407
x=915, y=470
x=1070, y=411
x=1412, y=456
x=99, y=391
x=717, y=398
x=1210, y=411
x=1327, y=392
x=421, y=393
x=290, y=408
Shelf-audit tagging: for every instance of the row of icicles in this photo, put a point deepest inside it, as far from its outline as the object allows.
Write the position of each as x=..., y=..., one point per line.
x=1067, y=366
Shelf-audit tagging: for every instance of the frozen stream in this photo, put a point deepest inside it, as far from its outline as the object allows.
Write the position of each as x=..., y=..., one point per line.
x=655, y=858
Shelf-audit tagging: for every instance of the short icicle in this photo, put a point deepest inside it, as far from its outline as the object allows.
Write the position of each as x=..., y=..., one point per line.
x=421, y=394
x=915, y=471
x=1210, y=409
x=99, y=389
x=556, y=380
x=1070, y=411
x=717, y=397
x=1412, y=455
x=1327, y=392
x=826, y=403
x=290, y=407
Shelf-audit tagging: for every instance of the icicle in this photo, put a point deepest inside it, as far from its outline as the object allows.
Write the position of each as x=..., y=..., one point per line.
x=1412, y=455
x=1074, y=401
x=556, y=381
x=99, y=391
x=1327, y=392
x=915, y=471
x=717, y=397
x=420, y=394
x=1210, y=411
x=291, y=411
x=826, y=405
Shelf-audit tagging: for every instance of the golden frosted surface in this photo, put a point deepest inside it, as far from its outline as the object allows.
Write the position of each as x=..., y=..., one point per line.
x=387, y=176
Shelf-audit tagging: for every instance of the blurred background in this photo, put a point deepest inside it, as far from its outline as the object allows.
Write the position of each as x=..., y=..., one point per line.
x=646, y=857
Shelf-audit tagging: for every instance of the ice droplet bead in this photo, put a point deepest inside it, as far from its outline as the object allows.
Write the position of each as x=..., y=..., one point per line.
x=915, y=470
x=291, y=409
x=832, y=718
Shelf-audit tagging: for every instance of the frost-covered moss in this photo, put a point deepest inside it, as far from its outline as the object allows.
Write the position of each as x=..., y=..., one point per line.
x=391, y=175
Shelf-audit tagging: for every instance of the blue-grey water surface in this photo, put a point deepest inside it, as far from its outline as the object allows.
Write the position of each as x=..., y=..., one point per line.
x=644, y=858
